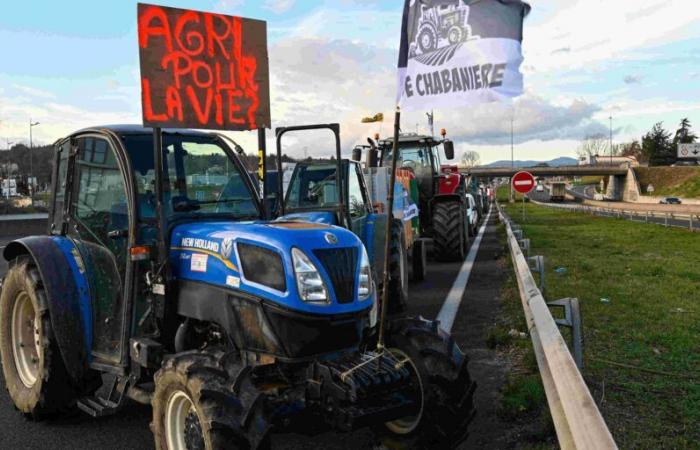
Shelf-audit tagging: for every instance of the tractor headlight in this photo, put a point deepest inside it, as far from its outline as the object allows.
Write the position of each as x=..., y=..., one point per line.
x=365, y=285
x=312, y=289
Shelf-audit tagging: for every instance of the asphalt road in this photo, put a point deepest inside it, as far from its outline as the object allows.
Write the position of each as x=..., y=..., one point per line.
x=130, y=427
x=658, y=218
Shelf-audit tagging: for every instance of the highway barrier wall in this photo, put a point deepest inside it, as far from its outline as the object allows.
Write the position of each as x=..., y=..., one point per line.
x=577, y=420
x=16, y=225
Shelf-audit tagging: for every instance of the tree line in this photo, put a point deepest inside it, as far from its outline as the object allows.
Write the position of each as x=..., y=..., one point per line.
x=658, y=147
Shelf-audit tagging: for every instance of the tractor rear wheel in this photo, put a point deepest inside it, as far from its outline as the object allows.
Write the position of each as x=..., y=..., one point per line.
x=441, y=374
x=204, y=400
x=449, y=231
x=35, y=375
x=398, y=269
x=419, y=260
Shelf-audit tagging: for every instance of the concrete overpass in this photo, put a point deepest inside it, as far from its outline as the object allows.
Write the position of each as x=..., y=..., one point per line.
x=573, y=171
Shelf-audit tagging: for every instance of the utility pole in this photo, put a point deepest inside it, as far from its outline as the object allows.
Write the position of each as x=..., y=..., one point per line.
x=31, y=163
x=512, y=161
x=7, y=168
x=611, y=148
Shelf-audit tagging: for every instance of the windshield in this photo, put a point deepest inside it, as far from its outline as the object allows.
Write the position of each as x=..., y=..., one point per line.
x=203, y=177
x=414, y=156
x=313, y=186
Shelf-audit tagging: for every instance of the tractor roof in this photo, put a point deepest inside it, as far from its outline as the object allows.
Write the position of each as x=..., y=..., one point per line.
x=409, y=137
x=140, y=129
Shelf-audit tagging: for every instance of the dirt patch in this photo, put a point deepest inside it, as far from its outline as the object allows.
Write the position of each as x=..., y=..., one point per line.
x=670, y=181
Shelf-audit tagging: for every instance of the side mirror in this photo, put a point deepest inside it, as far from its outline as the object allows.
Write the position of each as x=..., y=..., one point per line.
x=356, y=154
x=449, y=147
x=372, y=157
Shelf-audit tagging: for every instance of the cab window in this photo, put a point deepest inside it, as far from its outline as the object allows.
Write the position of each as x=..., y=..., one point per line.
x=313, y=186
x=357, y=202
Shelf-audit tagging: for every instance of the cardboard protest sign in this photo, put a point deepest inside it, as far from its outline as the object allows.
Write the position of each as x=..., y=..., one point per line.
x=203, y=70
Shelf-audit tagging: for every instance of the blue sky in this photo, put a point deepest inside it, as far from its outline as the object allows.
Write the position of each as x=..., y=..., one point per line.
x=73, y=64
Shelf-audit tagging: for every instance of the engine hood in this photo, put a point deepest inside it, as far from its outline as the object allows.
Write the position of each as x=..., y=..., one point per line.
x=209, y=252
x=327, y=217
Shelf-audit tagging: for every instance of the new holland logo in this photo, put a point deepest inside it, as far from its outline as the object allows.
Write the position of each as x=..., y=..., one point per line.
x=226, y=247
x=331, y=238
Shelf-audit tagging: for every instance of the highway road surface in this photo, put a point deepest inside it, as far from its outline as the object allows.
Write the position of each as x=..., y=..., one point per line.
x=638, y=214
x=471, y=310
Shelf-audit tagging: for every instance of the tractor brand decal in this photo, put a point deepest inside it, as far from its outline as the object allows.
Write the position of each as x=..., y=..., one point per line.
x=199, y=262
x=203, y=244
x=233, y=281
x=453, y=53
x=78, y=259
x=226, y=247
x=202, y=70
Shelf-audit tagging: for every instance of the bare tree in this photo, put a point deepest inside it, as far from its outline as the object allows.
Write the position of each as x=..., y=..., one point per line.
x=593, y=146
x=471, y=158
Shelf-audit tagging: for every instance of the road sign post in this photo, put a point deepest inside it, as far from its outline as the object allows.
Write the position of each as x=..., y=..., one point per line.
x=523, y=182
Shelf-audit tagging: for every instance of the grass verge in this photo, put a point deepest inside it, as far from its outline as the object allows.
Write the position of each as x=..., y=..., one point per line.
x=642, y=343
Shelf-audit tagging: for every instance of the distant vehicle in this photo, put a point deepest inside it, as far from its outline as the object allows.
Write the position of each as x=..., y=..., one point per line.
x=670, y=201
x=685, y=163
x=540, y=187
x=543, y=164
x=472, y=215
x=557, y=191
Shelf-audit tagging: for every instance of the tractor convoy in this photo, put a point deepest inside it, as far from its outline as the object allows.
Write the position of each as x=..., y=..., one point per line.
x=168, y=279
x=162, y=281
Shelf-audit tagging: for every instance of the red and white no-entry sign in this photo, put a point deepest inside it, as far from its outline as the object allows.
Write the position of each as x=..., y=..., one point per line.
x=523, y=182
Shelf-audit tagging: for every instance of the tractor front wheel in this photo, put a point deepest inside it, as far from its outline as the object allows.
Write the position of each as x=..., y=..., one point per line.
x=398, y=269
x=35, y=375
x=449, y=231
x=442, y=385
x=204, y=401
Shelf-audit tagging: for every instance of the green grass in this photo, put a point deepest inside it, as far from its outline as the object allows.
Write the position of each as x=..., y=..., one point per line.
x=651, y=324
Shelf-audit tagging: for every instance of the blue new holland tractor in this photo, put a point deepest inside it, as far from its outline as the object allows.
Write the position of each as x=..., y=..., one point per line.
x=159, y=282
x=334, y=192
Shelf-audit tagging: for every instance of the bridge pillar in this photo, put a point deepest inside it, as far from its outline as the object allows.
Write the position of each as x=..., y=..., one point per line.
x=631, y=190
x=613, y=190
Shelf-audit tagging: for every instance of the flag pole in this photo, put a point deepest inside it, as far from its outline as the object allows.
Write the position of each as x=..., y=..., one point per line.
x=387, y=229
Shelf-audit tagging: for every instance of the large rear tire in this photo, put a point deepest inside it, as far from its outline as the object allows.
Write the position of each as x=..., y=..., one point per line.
x=398, y=269
x=419, y=260
x=204, y=400
x=440, y=369
x=35, y=375
x=449, y=231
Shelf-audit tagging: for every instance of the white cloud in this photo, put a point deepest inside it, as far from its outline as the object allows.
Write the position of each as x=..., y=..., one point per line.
x=603, y=30
x=33, y=92
x=279, y=6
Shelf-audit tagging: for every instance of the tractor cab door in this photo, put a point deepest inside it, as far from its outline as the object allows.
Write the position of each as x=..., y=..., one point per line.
x=358, y=201
x=100, y=224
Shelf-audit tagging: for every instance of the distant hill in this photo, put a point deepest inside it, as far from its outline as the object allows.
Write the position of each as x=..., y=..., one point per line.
x=561, y=161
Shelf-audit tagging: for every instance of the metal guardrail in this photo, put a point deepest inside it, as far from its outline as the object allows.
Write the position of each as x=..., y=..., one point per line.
x=667, y=219
x=577, y=420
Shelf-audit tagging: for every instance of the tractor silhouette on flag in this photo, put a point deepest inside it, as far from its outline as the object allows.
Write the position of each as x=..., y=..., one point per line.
x=439, y=28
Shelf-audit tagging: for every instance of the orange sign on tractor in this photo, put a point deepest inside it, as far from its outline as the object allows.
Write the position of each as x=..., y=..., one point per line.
x=203, y=70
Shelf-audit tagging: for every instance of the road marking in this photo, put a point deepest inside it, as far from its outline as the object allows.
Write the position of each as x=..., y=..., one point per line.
x=449, y=309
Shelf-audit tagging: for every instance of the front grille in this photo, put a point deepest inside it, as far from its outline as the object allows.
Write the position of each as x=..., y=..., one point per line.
x=340, y=265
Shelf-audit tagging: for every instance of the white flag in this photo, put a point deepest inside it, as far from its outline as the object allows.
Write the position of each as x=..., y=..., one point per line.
x=455, y=53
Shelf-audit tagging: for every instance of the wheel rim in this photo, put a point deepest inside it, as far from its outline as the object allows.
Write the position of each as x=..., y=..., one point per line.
x=408, y=424
x=183, y=430
x=25, y=340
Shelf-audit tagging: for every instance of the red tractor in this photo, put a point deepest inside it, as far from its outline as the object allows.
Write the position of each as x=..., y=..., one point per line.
x=442, y=201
